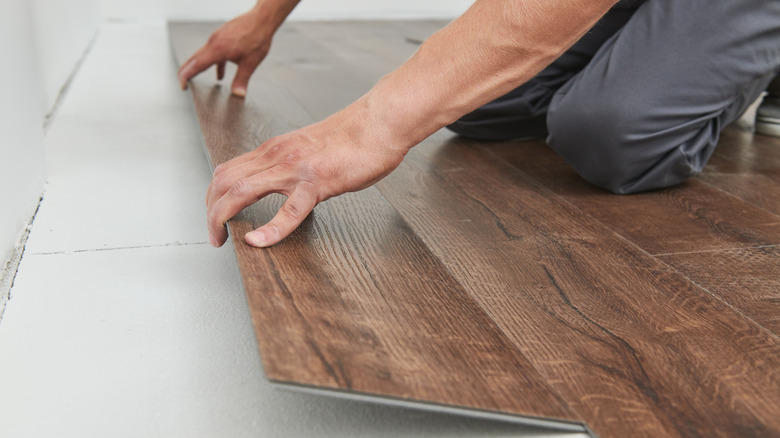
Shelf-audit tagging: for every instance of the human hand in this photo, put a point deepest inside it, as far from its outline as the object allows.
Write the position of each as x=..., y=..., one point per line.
x=340, y=154
x=244, y=40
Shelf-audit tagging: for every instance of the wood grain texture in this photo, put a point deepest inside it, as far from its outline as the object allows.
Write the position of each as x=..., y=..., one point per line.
x=627, y=330
x=746, y=278
x=693, y=216
x=727, y=210
x=353, y=300
x=490, y=276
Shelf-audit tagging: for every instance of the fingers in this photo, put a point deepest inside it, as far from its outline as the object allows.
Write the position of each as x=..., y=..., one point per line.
x=242, y=193
x=228, y=173
x=292, y=213
x=220, y=70
x=266, y=156
x=201, y=60
x=241, y=80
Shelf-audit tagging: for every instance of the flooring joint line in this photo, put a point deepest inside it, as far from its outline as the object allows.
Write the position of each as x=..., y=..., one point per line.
x=715, y=250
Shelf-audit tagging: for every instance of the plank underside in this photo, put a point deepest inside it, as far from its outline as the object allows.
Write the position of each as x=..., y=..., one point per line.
x=489, y=278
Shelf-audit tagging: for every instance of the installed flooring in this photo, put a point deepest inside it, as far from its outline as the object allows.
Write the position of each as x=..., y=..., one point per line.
x=490, y=277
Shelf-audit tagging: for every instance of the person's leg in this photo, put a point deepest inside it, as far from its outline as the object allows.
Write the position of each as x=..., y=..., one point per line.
x=648, y=109
x=523, y=112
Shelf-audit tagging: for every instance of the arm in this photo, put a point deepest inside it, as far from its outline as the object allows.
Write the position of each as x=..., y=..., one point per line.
x=245, y=41
x=491, y=49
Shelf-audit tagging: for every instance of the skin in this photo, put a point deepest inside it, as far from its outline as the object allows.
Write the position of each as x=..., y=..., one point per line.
x=491, y=49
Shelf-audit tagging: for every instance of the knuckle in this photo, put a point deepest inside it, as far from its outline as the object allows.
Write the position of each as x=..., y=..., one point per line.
x=214, y=40
x=292, y=210
x=292, y=161
x=239, y=189
x=217, y=44
x=275, y=149
x=294, y=156
x=220, y=181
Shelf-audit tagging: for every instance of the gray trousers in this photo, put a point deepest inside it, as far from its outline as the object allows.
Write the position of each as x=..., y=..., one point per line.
x=639, y=102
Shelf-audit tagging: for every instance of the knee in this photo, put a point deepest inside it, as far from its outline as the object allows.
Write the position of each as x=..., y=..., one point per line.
x=605, y=143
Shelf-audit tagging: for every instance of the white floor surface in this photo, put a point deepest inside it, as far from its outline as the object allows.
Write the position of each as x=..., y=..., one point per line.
x=123, y=321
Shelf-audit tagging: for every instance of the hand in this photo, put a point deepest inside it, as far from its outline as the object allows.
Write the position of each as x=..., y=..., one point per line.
x=245, y=41
x=309, y=165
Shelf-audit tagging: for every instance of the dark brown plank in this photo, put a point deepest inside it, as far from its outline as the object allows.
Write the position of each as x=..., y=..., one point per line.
x=353, y=300
x=619, y=356
x=731, y=205
x=746, y=166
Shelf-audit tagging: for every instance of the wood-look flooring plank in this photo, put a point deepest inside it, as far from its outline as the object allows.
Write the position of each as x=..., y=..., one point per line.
x=353, y=300
x=609, y=334
x=627, y=340
x=610, y=325
x=746, y=166
x=731, y=198
x=740, y=186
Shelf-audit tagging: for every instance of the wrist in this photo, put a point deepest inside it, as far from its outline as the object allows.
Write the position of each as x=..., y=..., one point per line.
x=270, y=14
x=408, y=107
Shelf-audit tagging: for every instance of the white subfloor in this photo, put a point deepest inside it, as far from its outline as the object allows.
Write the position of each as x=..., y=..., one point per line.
x=123, y=321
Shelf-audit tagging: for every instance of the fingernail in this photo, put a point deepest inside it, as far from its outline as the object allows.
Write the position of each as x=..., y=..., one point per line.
x=255, y=238
x=212, y=241
x=240, y=92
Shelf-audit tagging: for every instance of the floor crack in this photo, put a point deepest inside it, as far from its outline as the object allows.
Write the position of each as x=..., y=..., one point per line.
x=118, y=248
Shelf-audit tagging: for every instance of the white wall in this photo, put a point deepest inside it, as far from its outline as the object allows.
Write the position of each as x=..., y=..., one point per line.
x=62, y=31
x=307, y=9
x=41, y=42
x=21, y=115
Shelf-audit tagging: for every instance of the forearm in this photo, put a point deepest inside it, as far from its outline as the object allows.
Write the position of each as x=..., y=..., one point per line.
x=491, y=49
x=494, y=47
x=274, y=12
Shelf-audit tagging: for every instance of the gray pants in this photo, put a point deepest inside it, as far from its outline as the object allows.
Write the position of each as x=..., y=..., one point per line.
x=639, y=102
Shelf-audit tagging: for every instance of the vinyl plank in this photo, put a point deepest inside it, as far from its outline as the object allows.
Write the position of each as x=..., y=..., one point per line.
x=732, y=202
x=459, y=260
x=746, y=166
x=353, y=301
x=634, y=347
